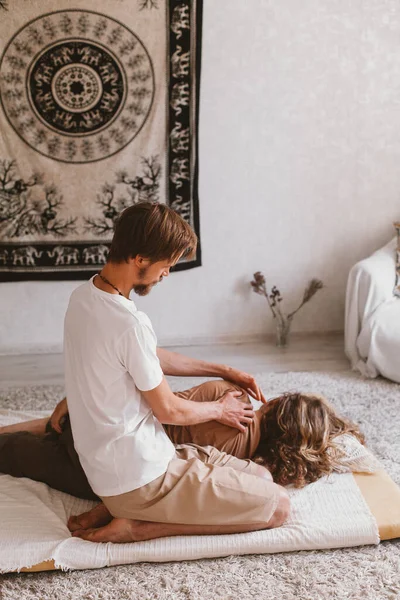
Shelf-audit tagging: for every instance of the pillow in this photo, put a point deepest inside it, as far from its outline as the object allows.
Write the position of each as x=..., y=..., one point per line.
x=396, y=290
x=357, y=458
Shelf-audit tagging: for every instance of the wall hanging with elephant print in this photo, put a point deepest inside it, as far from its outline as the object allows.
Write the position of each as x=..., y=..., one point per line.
x=99, y=110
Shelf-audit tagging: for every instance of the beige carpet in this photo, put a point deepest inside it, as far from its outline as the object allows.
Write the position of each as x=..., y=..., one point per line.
x=365, y=573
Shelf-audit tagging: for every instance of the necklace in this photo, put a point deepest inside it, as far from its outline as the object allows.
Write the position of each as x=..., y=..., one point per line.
x=109, y=283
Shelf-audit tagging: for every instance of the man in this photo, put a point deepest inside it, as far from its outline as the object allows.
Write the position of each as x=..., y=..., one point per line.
x=118, y=398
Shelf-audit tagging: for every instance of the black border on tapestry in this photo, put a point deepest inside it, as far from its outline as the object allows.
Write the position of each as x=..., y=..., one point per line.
x=196, y=205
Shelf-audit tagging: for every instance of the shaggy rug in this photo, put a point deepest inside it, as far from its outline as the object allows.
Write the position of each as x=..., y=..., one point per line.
x=367, y=573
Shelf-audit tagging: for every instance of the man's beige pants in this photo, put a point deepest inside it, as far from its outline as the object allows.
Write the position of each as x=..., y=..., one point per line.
x=202, y=486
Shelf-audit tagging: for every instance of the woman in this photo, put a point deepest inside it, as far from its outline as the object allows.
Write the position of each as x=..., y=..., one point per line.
x=293, y=436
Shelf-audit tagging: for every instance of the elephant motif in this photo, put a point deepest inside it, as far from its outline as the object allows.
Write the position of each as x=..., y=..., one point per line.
x=95, y=254
x=180, y=96
x=179, y=139
x=180, y=63
x=3, y=256
x=179, y=171
x=64, y=254
x=25, y=256
x=180, y=19
x=182, y=207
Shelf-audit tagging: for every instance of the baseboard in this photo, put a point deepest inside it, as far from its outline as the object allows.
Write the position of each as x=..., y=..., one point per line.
x=251, y=338
x=31, y=349
x=205, y=340
x=182, y=341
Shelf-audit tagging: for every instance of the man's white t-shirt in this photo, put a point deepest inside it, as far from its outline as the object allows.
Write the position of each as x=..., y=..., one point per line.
x=110, y=357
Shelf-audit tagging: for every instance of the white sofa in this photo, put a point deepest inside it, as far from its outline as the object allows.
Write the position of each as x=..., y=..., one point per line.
x=372, y=319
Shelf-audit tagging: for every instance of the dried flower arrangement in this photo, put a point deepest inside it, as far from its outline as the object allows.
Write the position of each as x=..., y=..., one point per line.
x=274, y=299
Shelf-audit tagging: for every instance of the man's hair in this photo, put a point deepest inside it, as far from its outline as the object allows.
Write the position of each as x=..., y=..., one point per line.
x=298, y=434
x=154, y=231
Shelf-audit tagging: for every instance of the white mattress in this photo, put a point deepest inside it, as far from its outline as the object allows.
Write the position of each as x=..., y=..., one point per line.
x=330, y=513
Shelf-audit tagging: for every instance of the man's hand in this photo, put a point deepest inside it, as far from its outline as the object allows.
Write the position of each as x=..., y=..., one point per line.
x=246, y=382
x=235, y=413
x=58, y=416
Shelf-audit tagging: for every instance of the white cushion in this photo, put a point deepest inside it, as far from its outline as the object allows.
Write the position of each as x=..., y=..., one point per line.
x=372, y=319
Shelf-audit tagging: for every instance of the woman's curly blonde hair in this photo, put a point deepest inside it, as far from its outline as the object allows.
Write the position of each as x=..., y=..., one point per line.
x=297, y=438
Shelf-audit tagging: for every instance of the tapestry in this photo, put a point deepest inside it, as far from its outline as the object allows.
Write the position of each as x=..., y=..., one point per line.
x=99, y=110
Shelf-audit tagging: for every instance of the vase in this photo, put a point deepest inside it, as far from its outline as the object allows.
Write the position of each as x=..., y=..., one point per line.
x=283, y=332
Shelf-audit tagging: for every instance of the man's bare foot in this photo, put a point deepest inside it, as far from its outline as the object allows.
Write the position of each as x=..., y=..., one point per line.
x=119, y=531
x=97, y=517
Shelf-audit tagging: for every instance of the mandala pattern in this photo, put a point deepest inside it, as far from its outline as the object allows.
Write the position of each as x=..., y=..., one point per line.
x=77, y=86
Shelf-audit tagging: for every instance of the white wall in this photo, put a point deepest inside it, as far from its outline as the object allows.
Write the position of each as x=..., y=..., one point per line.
x=299, y=171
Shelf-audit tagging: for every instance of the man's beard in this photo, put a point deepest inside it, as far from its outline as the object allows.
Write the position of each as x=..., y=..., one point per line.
x=144, y=289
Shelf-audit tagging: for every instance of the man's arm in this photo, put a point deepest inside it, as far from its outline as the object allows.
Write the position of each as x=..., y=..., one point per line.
x=172, y=410
x=178, y=365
